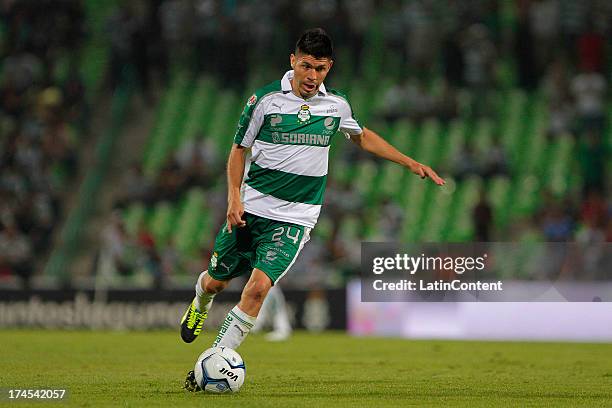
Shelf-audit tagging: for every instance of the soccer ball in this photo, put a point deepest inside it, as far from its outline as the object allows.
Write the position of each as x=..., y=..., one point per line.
x=220, y=369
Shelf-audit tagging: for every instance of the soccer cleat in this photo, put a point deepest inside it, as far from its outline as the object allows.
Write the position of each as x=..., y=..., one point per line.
x=191, y=323
x=190, y=383
x=278, y=335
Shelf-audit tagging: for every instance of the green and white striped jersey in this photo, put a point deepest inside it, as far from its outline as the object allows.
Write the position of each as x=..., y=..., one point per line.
x=289, y=139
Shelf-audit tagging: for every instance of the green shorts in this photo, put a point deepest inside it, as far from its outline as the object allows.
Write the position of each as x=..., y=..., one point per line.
x=268, y=245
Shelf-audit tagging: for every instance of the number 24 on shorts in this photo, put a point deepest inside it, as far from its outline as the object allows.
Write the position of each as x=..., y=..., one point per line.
x=281, y=230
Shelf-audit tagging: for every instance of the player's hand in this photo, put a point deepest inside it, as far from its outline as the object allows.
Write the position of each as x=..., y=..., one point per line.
x=235, y=211
x=423, y=171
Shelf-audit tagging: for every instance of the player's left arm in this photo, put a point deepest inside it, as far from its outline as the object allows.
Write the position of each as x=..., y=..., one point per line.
x=370, y=141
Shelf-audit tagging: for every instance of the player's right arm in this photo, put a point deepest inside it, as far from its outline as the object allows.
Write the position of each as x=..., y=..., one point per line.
x=249, y=124
x=235, y=172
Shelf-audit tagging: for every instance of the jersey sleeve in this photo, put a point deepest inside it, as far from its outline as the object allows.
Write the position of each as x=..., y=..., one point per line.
x=349, y=125
x=250, y=122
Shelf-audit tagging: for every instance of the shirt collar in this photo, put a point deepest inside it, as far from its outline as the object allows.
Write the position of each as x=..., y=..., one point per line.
x=286, y=84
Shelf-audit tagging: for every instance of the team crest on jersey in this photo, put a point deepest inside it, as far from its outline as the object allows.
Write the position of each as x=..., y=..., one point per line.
x=213, y=261
x=252, y=100
x=304, y=113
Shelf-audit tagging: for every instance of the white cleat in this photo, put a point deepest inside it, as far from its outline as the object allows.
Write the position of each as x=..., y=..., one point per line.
x=278, y=336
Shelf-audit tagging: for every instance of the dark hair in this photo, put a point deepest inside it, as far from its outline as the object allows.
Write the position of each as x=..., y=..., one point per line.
x=315, y=42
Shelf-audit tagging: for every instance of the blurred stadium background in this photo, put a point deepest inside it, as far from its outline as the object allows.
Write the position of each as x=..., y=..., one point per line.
x=116, y=119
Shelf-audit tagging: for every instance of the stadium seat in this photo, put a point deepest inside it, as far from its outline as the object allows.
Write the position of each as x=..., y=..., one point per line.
x=498, y=196
x=525, y=196
x=162, y=222
x=559, y=171
x=200, y=103
x=402, y=135
x=225, y=116
x=439, y=207
x=170, y=120
x=365, y=176
x=462, y=228
x=483, y=135
x=428, y=142
x=456, y=134
x=133, y=216
x=190, y=222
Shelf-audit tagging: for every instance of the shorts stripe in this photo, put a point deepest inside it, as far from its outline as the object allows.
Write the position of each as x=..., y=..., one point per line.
x=305, y=239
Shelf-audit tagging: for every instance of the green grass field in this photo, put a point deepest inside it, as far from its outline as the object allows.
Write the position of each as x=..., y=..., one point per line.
x=331, y=369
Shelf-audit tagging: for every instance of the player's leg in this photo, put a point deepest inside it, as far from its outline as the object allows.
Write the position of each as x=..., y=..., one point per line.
x=241, y=318
x=274, y=313
x=280, y=317
x=225, y=264
x=277, y=245
x=206, y=288
x=230, y=259
x=266, y=314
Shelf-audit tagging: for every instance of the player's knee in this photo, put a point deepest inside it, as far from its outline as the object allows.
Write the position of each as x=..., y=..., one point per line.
x=257, y=290
x=211, y=285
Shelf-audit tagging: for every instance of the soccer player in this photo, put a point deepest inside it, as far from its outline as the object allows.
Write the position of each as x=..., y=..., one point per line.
x=288, y=125
x=274, y=311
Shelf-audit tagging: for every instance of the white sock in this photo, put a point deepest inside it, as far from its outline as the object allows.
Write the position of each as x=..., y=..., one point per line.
x=234, y=329
x=203, y=300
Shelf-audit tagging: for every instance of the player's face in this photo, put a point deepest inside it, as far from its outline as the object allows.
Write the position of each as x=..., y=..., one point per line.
x=308, y=73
